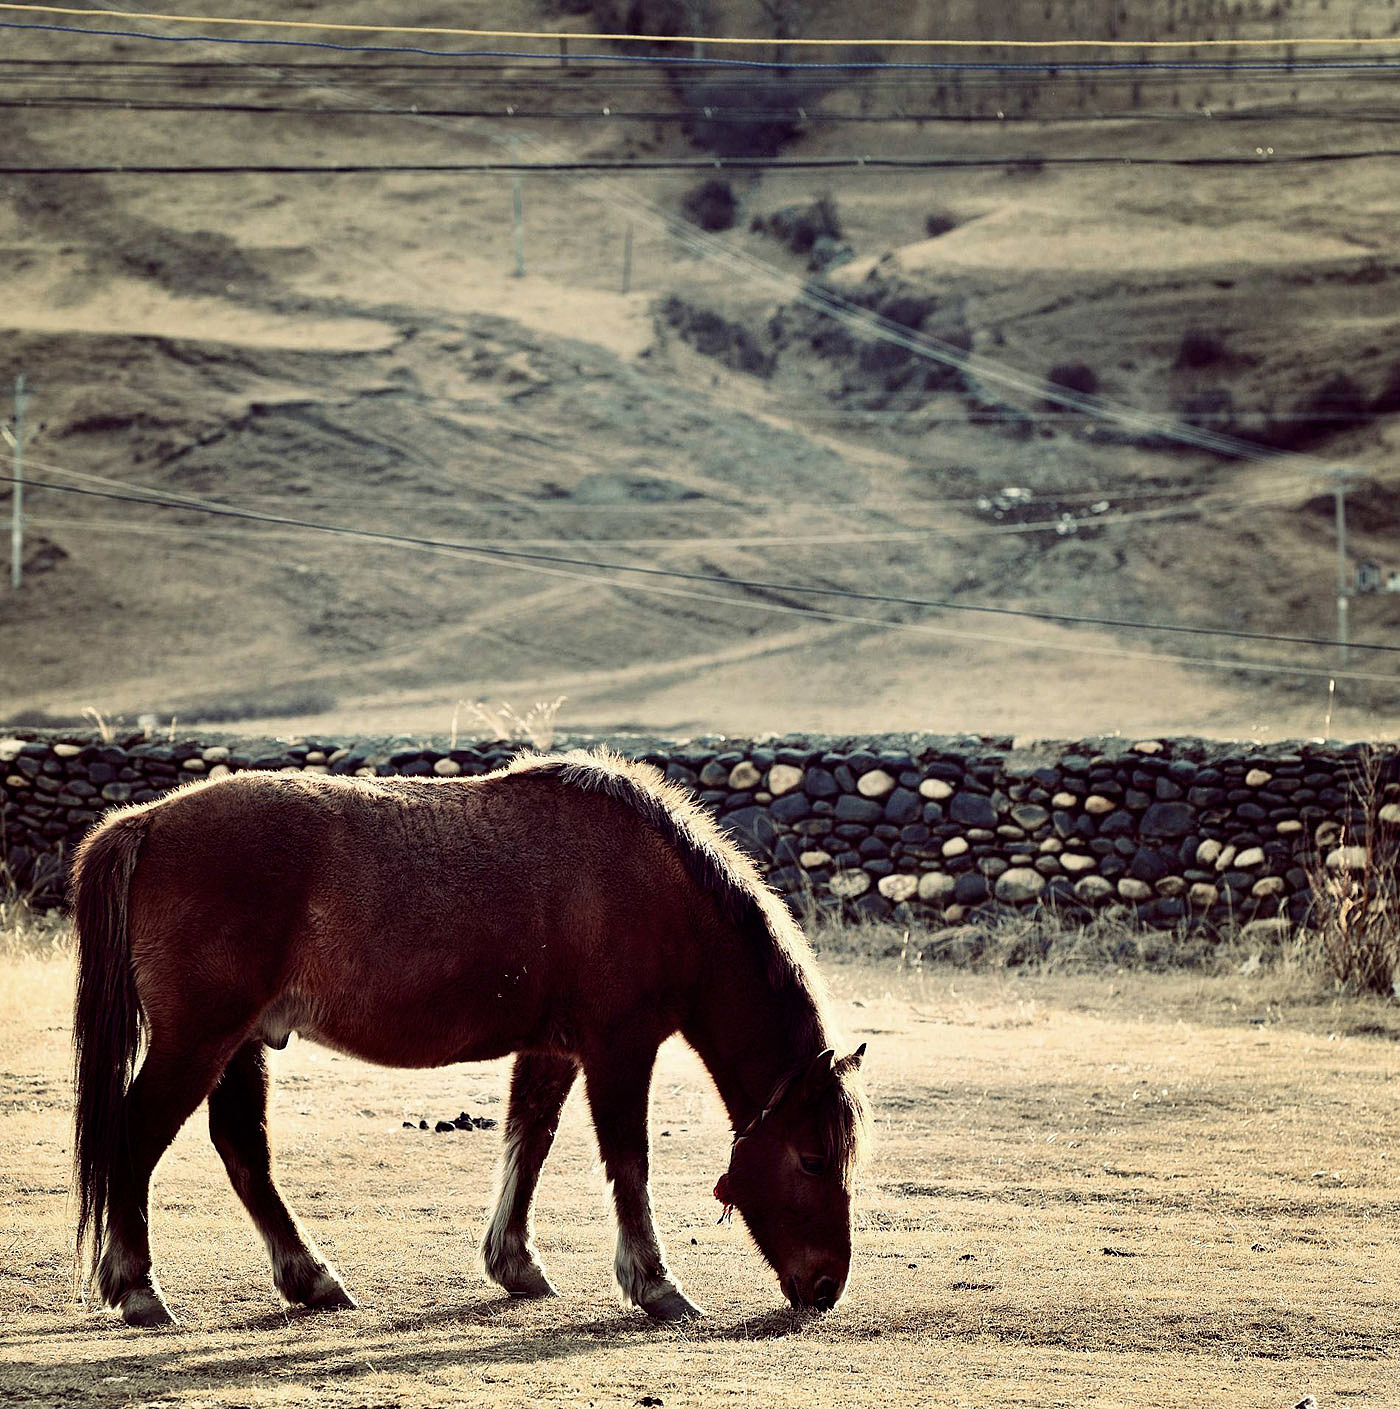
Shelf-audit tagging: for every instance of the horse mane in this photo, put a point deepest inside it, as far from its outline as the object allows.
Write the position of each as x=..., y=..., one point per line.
x=715, y=863
x=718, y=866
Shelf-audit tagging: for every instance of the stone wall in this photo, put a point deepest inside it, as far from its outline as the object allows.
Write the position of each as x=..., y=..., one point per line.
x=919, y=829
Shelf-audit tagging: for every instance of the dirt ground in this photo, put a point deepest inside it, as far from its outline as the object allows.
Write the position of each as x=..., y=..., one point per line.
x=1107, y=1190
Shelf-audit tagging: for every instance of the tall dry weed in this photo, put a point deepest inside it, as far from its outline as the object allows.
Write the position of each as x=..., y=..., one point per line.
x=537, y=726
x=1356, y=886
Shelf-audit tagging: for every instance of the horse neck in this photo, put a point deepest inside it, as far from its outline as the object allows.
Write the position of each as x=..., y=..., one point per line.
x=753, y=1024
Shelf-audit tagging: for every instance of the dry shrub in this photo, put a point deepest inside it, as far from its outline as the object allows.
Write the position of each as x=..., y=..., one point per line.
x=537, y=726
x=1337, y=404
x=799, y=227
x=1200, y=348
x=25, y=929
x=1355, y=920
x=711, y=205
x=1076, y=377
x=1358, y=928
x=1388, y=401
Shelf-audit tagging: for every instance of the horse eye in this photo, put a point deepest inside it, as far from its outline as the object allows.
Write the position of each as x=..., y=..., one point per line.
x=813, y=1164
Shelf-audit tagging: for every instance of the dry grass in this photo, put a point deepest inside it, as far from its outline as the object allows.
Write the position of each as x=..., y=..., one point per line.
x=26, y=932
x=1111, y=1188
x=1107, y=941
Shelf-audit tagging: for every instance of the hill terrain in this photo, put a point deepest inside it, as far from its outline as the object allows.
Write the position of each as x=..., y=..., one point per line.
x=355, y=351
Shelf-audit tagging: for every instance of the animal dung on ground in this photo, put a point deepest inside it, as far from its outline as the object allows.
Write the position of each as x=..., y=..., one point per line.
x=463, y=1121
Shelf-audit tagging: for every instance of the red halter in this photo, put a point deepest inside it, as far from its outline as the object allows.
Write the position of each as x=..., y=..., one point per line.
x=722, y=1187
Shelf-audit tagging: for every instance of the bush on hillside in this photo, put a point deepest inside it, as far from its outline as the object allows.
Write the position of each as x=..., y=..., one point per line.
x=757, y=118
x=1076, y=377
x=1200, y=348
x=1338, y=404
x=711, y=205
x=799, y=227
x=1211, y=408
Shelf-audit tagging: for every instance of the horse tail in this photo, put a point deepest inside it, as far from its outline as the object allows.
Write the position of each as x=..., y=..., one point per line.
x=107, y=1015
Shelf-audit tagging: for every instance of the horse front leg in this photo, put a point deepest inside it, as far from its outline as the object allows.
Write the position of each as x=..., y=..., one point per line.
x=539, y=1085
x=618, y=1080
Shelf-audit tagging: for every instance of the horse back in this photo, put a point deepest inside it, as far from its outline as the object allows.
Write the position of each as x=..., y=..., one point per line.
x=415, y=921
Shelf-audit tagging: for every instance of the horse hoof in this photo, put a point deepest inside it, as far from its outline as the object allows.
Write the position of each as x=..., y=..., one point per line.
x=531, y=1285
x=145, y=1309
x=672, y=1306
x=329, y=1295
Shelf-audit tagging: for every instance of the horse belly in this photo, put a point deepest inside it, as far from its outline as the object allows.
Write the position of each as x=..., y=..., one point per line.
x=393, y=1021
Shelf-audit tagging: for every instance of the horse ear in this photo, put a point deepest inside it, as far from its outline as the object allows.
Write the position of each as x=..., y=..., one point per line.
x=820, y=1074
x=851, y=1063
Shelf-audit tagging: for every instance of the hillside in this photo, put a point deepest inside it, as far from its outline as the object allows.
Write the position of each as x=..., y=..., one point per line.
x=354, y=350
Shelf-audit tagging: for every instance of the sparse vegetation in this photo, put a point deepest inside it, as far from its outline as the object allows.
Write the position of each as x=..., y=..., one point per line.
x=537, y=726
x=1200, y=348
x=1079, y=942
x=1076, y=377
x=711, y=205
x=1210, y=408
x=1356, y=890
x=940, y=222
x=27, y=929
x=799, y=227
x=1338, y=404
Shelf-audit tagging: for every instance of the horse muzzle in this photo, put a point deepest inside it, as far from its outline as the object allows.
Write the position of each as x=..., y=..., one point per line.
x=818, y=1293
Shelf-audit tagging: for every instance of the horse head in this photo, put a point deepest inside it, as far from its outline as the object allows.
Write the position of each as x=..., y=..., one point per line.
x=791, y=1175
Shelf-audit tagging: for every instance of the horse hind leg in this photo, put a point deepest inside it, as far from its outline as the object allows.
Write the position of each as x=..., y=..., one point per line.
x=539, y=1086
x=174, y=1078
x=238, y=1128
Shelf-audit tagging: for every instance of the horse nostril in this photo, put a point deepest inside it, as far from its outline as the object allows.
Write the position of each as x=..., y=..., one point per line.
x=824, y=1294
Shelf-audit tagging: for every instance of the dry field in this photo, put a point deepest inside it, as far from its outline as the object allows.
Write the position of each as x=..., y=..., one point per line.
x=1102, y=1189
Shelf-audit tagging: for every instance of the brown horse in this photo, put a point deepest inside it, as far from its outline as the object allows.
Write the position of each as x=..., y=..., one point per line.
x=575, y=910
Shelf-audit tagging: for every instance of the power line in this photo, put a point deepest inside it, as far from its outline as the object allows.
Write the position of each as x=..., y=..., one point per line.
x=885, y=42
x=749, y=584
x=1271, y=496
x=809, y=612
x=807, y=114
x=715, y=163
x=1287, y=64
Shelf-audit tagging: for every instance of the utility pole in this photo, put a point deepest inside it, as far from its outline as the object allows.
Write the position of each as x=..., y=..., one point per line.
x=1339, y=510
x=17, y=503
x=1343, y=477
x=517, y=212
